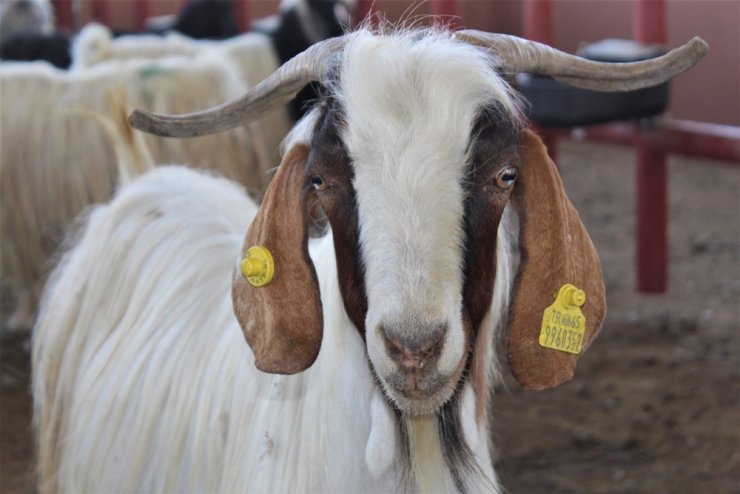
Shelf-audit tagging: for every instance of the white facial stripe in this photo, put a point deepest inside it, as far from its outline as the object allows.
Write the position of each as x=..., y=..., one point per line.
x=409, y=104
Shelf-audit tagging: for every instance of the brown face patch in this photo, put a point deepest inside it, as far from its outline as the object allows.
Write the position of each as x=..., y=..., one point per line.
x=330, y=171
x=493, y=154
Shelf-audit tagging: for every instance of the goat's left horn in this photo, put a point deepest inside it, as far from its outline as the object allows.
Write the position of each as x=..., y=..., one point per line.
x=521, y=55
x=279, y=88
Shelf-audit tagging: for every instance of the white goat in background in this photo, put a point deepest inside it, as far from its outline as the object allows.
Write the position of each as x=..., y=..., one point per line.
x=53, y=165
x=45, y=186
x=25, y=16
x=449, y=226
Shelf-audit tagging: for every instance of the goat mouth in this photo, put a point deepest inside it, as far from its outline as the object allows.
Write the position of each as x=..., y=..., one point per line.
x=419, y=396
x=415, y=386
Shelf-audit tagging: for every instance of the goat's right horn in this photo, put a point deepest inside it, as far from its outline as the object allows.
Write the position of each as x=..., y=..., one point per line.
x=521, y=55
x=279, y=88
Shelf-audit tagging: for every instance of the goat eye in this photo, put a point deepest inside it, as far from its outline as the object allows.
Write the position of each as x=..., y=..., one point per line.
x=506, y=177
x=317, y=182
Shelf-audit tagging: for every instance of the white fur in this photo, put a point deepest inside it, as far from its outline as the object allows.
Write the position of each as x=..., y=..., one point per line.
x=252, y=54
x=54, y=163
x=142, y=380
x=410, y=106
x=383, y=445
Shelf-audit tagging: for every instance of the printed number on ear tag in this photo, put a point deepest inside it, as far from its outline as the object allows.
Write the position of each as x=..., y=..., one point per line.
x=563, y=323
x=257, y=266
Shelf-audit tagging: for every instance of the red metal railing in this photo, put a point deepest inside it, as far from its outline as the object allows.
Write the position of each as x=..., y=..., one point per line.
x=651, y=172
x=102, y=12
x=652, y=145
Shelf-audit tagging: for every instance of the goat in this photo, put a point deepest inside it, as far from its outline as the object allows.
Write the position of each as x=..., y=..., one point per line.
x=27, y=33
x=54, y=165
x=448, y=226
x=30, y=230
x=207, y=19
x=25, y=16
x=28, y=47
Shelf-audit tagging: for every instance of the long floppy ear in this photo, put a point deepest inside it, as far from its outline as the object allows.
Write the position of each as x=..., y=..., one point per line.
x=282, y=321
x=555, y=250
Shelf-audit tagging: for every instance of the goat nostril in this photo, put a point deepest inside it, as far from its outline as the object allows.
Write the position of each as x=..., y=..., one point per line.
x=432, y=347
x=413, y=354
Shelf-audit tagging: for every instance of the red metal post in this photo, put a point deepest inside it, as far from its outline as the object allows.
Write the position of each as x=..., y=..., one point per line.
x=365, y=10
x=652, y=216
x=63, y=13
x=651, y=173
x=448, y=10
x=648, y=21
x=537, y=20
x=101, y=12
x=141, y=11
x=243, y=14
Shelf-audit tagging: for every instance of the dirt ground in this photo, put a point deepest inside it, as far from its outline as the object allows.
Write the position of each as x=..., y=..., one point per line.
x=655, y=405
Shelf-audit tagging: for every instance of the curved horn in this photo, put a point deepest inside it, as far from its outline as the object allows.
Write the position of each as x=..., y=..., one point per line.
x=279, y=88
x=521, y=55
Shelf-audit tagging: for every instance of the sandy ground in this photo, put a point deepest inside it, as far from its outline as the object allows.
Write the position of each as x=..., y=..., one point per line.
x=655, y=405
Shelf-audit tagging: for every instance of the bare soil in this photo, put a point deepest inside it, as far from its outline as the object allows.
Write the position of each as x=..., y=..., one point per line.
x=655, y=405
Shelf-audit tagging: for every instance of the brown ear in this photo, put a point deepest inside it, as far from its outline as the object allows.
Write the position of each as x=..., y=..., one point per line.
x=282, y=321
x=556, y=250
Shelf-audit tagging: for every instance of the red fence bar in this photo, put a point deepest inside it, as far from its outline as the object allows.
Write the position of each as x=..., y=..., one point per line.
x=449, y=10
x=63, y=13
x=699, y=139
x=649, y=18
x=651, y=208
x=243, y=14
x=365, y=8
x=649, y=21
x=537, y=26
x=142, y=12
x=101, y=11
x=537, y=21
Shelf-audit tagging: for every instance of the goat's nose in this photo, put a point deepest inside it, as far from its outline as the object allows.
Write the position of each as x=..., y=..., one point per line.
x=414, y=353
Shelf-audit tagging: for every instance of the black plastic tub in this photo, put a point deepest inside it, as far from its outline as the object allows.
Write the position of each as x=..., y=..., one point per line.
x=553, y=103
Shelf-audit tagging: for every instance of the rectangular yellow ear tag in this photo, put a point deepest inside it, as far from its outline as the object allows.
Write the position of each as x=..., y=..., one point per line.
x=563, y=323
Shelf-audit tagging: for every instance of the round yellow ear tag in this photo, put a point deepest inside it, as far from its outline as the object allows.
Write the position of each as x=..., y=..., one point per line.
x=258, y=266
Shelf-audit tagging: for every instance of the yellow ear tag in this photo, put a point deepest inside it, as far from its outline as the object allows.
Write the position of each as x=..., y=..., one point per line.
x=258, y=266
x=563, y=323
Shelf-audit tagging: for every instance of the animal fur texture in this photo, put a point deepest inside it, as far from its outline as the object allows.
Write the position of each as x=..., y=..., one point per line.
x=25, y=16
x=54, y=163
x=252, y=54
x=162, y=355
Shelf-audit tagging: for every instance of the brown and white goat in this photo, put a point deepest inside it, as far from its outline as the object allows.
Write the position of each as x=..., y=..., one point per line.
x=448, y=225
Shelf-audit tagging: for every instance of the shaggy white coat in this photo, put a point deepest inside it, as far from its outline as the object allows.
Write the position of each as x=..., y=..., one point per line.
x=142, y=380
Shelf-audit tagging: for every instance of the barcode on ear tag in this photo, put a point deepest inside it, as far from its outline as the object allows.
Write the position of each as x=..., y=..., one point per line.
x=563, y=323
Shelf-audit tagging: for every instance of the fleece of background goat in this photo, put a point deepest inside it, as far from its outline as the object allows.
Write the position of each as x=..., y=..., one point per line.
x=25, y=16
x=138, y=359
x=53, y=164
x=252, y=54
